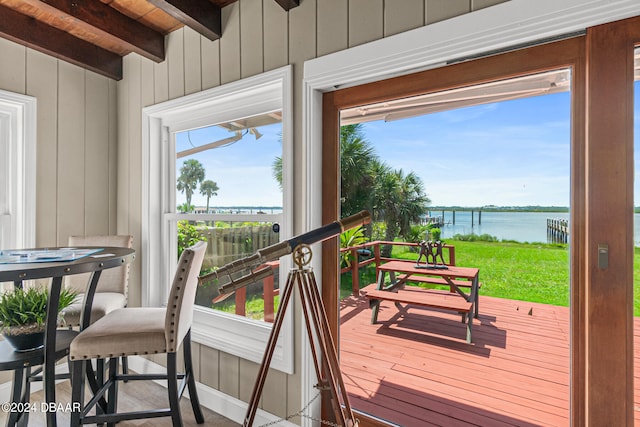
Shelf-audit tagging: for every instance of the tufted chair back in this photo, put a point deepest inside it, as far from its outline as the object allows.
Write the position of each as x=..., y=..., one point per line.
x=182, y=297
x=112, y=280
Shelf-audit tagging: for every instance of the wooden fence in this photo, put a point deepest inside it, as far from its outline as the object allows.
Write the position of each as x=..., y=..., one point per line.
x=363, y=255
x=225, y=245
x=229, y=244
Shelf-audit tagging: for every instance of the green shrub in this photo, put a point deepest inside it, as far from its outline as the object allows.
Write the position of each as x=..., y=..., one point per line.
x=378, y=230
x=417, y=233
x=188, y=235
x=21, y=307
x=475, y=237
x=352, y=237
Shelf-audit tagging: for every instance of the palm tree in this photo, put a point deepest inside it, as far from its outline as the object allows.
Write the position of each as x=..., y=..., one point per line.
x=209, y=188
x=387, y=202
x=191, y=174
x=356, y=156
x=414, y=202
x=400, y=201
x=276, y=170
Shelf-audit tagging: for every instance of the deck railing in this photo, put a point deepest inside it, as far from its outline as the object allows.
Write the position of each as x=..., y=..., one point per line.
x=269, y=293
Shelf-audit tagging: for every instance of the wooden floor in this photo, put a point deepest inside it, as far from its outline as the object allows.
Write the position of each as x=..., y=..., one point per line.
x=418, y=370
x=133, y=395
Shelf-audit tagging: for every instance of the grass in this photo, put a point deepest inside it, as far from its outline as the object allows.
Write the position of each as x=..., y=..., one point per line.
x=254, y=306
x=532, y=272
x=520, y=271
x=526, y=272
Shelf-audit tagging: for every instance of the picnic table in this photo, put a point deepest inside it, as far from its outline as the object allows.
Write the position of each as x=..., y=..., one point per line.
x=462, y=296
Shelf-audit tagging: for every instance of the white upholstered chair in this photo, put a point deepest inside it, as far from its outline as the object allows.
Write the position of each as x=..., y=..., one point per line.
x=113, y=286
x=139, y=331
x=111, y=291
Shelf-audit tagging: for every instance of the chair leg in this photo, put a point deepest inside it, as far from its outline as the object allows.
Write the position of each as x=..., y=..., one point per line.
x=191, y=381
x=100, y=370
x=172, y=388
x=112, y=398
x=26, y=396
x=77, y=391
x=20, y=380
x=125, y=366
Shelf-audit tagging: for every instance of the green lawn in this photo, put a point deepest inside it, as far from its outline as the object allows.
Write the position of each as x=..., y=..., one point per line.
x=527, y=272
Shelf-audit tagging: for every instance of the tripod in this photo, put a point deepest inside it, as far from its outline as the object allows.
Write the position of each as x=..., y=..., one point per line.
x=325, y=358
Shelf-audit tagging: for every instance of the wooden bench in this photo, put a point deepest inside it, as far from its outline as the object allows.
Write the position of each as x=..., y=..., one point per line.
x=438, y=281
x=431, y=298
x=417, y=278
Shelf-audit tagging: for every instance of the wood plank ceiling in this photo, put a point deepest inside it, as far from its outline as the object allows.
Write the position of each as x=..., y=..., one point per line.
x=96, y=34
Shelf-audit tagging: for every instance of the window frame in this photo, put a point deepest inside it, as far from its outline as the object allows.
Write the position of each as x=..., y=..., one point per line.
x=18, y=129
x=263, y=93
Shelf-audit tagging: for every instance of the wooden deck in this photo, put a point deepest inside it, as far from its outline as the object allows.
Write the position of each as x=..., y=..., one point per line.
x=418, y=370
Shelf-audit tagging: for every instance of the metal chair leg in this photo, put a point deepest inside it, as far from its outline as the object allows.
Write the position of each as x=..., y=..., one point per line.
x=172, y=388
x=112, y=398
x=26, y=396
x=125, y=366
x=19, y=395
x=191, y=381
x=77, y=391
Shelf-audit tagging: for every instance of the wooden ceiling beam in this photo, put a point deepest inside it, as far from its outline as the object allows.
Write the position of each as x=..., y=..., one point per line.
x=288, y=4
x=97, y=18
x=199, y=15
x=32, y=33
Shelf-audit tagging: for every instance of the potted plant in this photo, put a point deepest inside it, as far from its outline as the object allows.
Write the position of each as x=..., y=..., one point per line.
x=23, y=315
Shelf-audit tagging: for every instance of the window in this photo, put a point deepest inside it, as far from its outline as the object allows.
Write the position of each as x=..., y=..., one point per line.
x=210, y=174
x=18, y=172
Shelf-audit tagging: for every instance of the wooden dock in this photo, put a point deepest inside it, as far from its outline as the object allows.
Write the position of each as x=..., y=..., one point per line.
x=557, y=230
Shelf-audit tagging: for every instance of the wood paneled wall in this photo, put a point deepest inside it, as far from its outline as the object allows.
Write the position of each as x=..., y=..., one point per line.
x=89, y=127
x=258, y=36
x=76, y=143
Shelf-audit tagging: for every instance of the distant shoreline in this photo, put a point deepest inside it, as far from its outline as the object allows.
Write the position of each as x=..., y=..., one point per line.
x=492, y=208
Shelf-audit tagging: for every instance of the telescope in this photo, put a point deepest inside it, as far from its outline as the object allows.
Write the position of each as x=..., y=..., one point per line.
x=256, y=263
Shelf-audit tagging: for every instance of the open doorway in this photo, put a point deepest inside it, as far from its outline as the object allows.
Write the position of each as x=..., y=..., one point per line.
x=486, y=169
x=636, y=226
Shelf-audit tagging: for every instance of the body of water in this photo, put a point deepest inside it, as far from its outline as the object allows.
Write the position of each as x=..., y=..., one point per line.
x=519, y=226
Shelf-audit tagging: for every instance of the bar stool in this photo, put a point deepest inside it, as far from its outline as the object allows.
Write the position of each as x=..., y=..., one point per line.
x=139, y=331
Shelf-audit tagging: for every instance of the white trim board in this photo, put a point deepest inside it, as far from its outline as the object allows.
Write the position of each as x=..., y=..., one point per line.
x=18, y=204
x=259, y=94
x=506, y=25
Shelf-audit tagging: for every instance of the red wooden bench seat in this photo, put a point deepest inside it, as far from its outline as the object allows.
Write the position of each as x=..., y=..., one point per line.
x=431, y=298
x=439, y=281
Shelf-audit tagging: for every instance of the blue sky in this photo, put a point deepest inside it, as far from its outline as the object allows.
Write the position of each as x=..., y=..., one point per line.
x=509, y=153
x=512, y=153
x=242, y=170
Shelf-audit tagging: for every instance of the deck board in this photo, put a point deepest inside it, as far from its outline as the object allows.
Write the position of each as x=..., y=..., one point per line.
x=417, y=369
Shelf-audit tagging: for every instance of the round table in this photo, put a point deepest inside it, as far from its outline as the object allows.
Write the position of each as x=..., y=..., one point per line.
x=56, y=342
